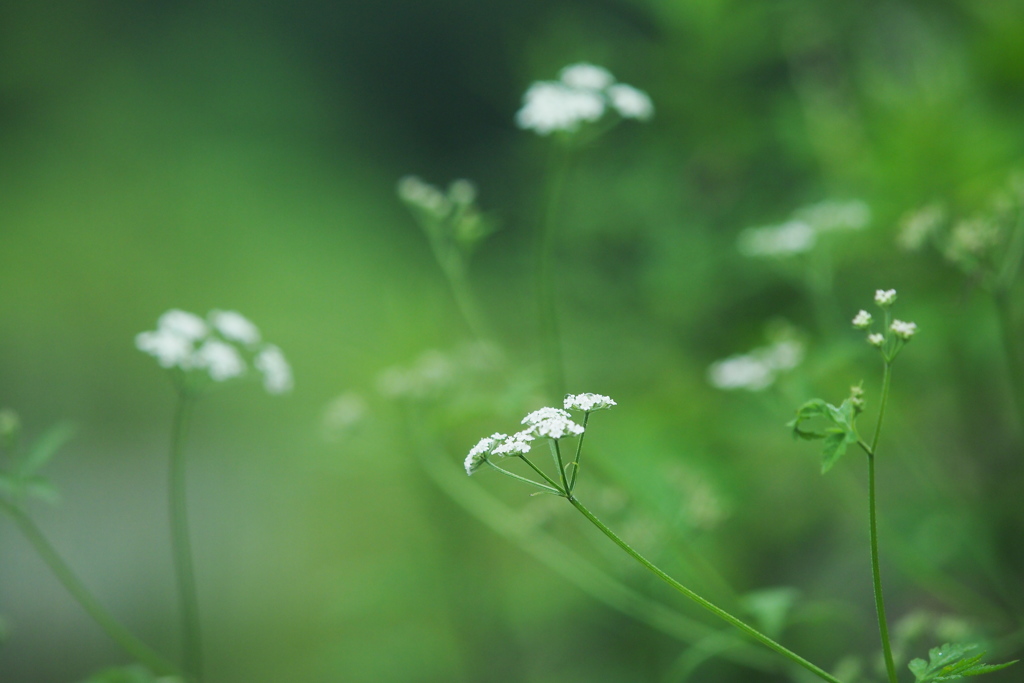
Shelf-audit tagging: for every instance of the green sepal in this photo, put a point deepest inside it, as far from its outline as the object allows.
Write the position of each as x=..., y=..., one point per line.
x=949, y=663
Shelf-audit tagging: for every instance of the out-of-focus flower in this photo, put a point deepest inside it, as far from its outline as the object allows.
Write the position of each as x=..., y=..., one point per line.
x=862, y=320
x=917, y=227
x=235, y=327
x=876, y=339
x=277, y=373
x=885, y=297
x=582, y=94
x=903, y=330
x=758, y=369
x=788, y=239
x=220, y=359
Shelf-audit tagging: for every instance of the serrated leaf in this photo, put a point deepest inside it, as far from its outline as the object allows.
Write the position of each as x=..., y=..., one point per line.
x=833, y=449
x=45, y=447
x=948, y=663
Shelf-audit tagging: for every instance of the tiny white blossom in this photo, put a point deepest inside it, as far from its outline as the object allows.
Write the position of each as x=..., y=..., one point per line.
x=553, y=423
x=517, y=444
x=277, y=374
x=423, y=195
x=741, y=372
x=235, y=327
x=549, y=106
x=790, y=238
x=903, y=330
x=862, y=320
x=585, y=76
x=183, y=324
x=479, y=452
x=630, y=102
x=169, y=349
x=876, y=339
x=885, y=297
x=587, y=402
x=220, y=359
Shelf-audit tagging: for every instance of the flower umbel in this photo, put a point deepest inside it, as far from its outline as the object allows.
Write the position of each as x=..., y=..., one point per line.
x=862, y=320
x=588, y=403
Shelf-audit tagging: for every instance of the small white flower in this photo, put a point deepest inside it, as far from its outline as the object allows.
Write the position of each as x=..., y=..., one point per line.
x=423, y=195
x=479, y=452
x=788, y=239
x=585, y=76
x=549, y=106
x=862, y=320
x=876, y=339
x=517, y=444
x=741, y=372
x=169, y=349
x=885, y=297
x=183, y=324
x=630, y=102
x=553, y=423
x=220, y=359
x=903, y=330
x=235, y=327
x=277, y=374
x=587, y=402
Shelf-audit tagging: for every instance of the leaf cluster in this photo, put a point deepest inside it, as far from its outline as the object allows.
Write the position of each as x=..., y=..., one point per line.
x=839, y=432
x=19, y=475
x=949, y=663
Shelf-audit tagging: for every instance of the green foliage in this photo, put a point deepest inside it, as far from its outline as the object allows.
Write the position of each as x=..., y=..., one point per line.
x=21, y=478
x=841, y=432
x=949, y=663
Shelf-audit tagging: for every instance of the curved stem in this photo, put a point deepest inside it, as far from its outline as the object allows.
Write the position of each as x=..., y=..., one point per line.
x=118, y=633
x=876, y=574
x=192, y=648
x=717, y=611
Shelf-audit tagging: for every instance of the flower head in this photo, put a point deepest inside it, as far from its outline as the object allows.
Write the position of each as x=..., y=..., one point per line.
x=885, y=297
x=517, y=444
x=862, y=320
x=876, y=339
x=479, y=452
x=588, y=403
x=553, y=423
x=903, y=330
x=582, y=94
x=220, y=350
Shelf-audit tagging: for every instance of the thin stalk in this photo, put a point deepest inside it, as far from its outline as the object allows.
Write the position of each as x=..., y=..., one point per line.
x=542, y=474
x=551, y=341
x=561, y=468
x=579, y=449
x=876, y=574
x=523, y=479
x=118, y=633
x=455, y=272
x=717, y=611
x=191, y=639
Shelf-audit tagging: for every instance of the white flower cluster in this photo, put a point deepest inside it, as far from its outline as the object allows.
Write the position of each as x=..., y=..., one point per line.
x=588, y=403
x=547, y=422
x=800, y=233
x=902, y=330
x=416, y=192
x=583, y=93
x=217, y=346
x=758, y=369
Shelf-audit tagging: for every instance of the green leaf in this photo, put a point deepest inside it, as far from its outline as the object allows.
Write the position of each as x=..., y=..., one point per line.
x=770, y=607
x=837, y=437
x=808, y=411
x=949, y=663
x=45, y=447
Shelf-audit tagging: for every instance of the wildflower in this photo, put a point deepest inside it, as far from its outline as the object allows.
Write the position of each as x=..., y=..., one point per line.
x=790, y=238
x=235, y=327
x=630, y=102
x=831, y=215
x=862, y=320
x=221, y=349
x=582, y=94
x=422, y=195
x=885, y=297
x=220, y=359
x=517, y=444
x=553, y=423
x=903, y=330
x=756, y=370
x=876, y=339
x=588, y=403
x=277, y=374
x=585, y=76
x=479, y=452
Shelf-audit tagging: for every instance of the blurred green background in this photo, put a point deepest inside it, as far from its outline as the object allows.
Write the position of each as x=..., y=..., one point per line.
x=244, y=156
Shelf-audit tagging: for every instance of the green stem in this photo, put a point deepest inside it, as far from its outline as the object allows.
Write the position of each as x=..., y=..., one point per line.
x=541, y=473
x=522, y=479
x=718, y=612
x=561, y=467
x=455, y=272
x=554, y=370
x=118, y=633
x=579, y=449
x=876, y=574
x=1016, y=370
x=192, y=648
